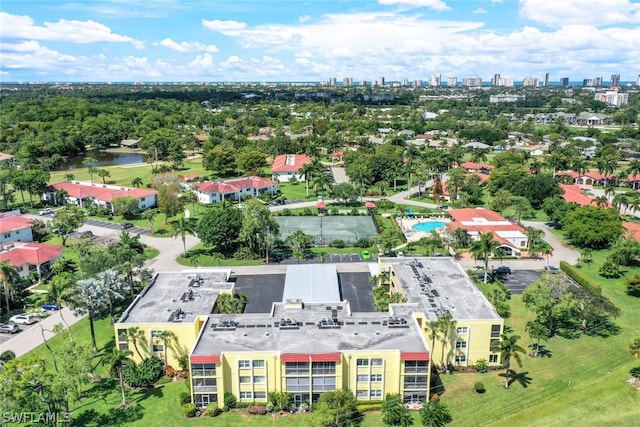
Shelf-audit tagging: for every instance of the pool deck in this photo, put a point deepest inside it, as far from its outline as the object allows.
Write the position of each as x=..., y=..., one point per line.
x=406, y=225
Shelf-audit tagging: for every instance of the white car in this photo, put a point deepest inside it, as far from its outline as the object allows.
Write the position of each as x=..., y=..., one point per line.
x=46, y=211
x=23, y=319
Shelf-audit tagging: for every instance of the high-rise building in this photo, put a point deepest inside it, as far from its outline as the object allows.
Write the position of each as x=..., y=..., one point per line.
x=452, y=81
x=587, y=82
x=564, y=81
x=333, y=81
x=495, y=80
x=380, y=81
x=546, y=79
x=613, y=98
x=434, y=80
x=597, y=81
x=615, y=80
x=638, y=80
x=405, y=82
x=347, y=81
x=505, y=81
x=417, y=83
x=363, y=83
x=529, y=81
x=472, y=81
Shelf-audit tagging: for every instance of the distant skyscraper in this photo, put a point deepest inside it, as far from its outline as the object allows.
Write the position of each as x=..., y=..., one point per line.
x=434, y=80
x=417, y=83
x=452, y=81
x=505, y=81
x=546, y=79
x=529, y=81
x=615, y=80
x=380, y=81
x=363, y=82
x=587, y=82
x=638, y=80
x=495, y=80
x=347, y=81
x=405, y=82
x=472, y=81
x=564, y=81
x=333, y=81
x=597, y=81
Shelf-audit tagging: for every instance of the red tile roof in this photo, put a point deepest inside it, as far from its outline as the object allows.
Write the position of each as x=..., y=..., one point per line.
x=481, y=220
x=633, y=228
x=593, y=175
x=100, y=192
x=233, y=185
x=476, y=166
x=289, y=162
x=15, y=222
x=572, y=193
x=21, y=253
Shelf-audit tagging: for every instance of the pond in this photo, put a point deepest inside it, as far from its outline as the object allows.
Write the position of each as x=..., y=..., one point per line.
x=105, y=158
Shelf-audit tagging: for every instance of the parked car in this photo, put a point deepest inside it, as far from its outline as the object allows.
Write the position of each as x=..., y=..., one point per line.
x=399, y=254
x=46, y=211
x=126, y=225
x=23, y=319
x=501, y=271
x=365, y=255
x=443, y=207
x=9, y=328
x=49, y=307
x=551, y=269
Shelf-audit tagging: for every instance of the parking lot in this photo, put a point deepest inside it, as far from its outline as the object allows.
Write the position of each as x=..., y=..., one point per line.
x=519, y=280
x=4, y=338
x=115, y=226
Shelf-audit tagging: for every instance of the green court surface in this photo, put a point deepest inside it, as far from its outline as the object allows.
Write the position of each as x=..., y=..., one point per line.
x=328, y=228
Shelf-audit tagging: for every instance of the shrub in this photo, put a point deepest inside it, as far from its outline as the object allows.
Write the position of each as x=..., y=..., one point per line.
x=170, y=371
x=307, y=212
x=185, y=397
x=144, y=374
x=225, y=409
x=338, y=243
x=257, y=410
x=270, y=407
x=7, y=356
x=366, y=407
x=355, y=212
x=212, y=409
x=635, y=372
x=276, y=408
x=479, y=387
x=230, y=400
x=334, y=211
x=304, y=407
x=481, y=365
x=581, y=278
x=610, y=269
x=633, y=285
x=286, y=212
x=189, y=410
x=362, y=242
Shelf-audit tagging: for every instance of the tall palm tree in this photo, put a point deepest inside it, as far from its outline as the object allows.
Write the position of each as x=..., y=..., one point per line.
x=448, y=331
x=435, y=414
x=621, y=202
x=69, y=177
x=168, y=338
x=118, y=361
x=60, y=291
x=483, y=248
x=600, y=201
x=509, y=349
x=307, y=169
x=137, y=182
x=321, y=182
x=633, y=169
x=433, y=328
x=149, y=215
x=137, y=336
x=606, y=166
x=10, y=277
x=181, y=228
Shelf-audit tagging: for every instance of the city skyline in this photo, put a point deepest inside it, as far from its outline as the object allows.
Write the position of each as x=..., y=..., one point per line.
x=172, y=40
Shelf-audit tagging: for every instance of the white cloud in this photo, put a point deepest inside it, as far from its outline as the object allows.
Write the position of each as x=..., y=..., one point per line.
x=24, y=28
x=580, y=12
x=203, y=62
x=438, y=5
x=224, y=26
x=187, y=46
x=479, y=11
x=32, y=55
x=304, y=18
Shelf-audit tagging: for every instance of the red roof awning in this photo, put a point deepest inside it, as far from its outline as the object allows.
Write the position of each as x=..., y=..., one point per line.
x=295, y=357
x=321, y=205
x=369, y=205
x=414, y=356
x=326, y=357
x=205, y=359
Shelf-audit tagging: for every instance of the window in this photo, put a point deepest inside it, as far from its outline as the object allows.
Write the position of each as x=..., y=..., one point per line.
x=376, y=378
x=376, y=362
x=462, y=330
x=362, y=394
x=202, y=400
x=363, y=378
x=297, y=368
x=203, y=370
x=496, y=330
x=461, y=358
x=246, y=395
x=244, y=364
x=416, y=366
x=204, y=382
x=155, y=334
x=375, y=393
x=415, y=381
x=493, y=358
x=324, y=383
x=245, y=380
x=258, y=363
x=362, y=362
x=123, y=346
x=158, y=348
x=260, y=379
x=298, y=384
x=461, y=344
x=324, y=368
x=260, y=395
x=122, y=335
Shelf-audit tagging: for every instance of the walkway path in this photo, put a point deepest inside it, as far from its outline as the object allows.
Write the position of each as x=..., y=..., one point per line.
x=339, y=175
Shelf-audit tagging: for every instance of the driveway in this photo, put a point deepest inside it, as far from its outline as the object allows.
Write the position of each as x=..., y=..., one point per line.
x=519, y=280
x=339, y=175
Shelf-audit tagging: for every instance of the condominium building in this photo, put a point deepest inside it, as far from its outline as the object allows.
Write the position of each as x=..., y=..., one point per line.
x=452, y=81
x=564, y=81
x=417, y=83
x=506, y=98
x=404, y=82
x=613, y=98
x=615, y=80
x=472, y=81
x=495, y=80
x=347, y=81
x=529, y=81
x=546, y=79
x=435, y=80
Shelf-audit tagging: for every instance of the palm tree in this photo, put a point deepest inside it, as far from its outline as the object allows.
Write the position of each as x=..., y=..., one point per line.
x=621, y=202
x=10, y=277
x=320, y=183
x=137, y=335
x=149, y=215
x=633, y=169
x=433, y=328
x=137, y=182
x=69, y=177
x=104, y=174
x=600, y=201
x=509, y=348
x=167, y=338
x=448, y=331
x=307, y=169
x=606, y=166
x=483, y=248
x=118, y=361
x=435, y=414
x=182, y=227
x=60, y=291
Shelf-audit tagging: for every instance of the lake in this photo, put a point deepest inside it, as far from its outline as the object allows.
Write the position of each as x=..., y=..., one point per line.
x=105, y=158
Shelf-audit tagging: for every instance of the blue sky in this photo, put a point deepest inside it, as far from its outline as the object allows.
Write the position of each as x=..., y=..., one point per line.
x=264, y=40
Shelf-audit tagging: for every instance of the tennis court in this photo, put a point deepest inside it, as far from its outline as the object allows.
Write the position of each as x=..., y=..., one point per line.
x=328, y=228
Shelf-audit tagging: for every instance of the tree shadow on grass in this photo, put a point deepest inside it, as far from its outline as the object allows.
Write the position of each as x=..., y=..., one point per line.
x=522, y=378
x=113, y=417
x=145, y=393
x=543, y=351
x=99, y=391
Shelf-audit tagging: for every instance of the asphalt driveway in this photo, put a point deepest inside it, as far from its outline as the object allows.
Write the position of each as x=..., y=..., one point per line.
x=519, y=280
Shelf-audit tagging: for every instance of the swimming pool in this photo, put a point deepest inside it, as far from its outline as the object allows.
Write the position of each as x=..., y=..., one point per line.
x=428, y=226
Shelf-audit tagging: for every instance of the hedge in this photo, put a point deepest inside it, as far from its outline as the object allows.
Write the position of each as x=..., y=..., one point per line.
x=581, y=278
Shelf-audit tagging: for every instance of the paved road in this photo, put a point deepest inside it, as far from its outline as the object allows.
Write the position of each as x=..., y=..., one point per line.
x=339, y=175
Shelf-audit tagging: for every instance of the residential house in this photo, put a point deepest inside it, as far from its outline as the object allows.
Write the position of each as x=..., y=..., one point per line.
x=234, y=189
x=585, y=180
x=7, y=159
x=130, y=143
x=29, y=256
x=14, y=227
x=593, y=119
x=573, y=193
x=477, y=167
x=287, y=166
x=81, y=193
x=510, y=235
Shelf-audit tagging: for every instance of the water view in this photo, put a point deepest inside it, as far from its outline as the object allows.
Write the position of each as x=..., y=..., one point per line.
x=105, y=158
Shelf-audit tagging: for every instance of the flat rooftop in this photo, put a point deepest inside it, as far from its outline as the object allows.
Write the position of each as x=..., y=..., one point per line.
x=311, y=283
x=309, y=329
x=437, y=285
x=176, y=297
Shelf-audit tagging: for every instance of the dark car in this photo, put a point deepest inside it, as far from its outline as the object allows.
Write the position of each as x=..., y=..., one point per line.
x=551, y=269
x=50, y=307
x=501, y=271
x=126, y=225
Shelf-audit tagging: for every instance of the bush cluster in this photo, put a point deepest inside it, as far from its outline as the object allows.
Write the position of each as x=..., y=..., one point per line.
x=212, y=409
x=145, y=373
x=257, y=410
x=189, y=410
x=338, y=243
x=581, y=278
